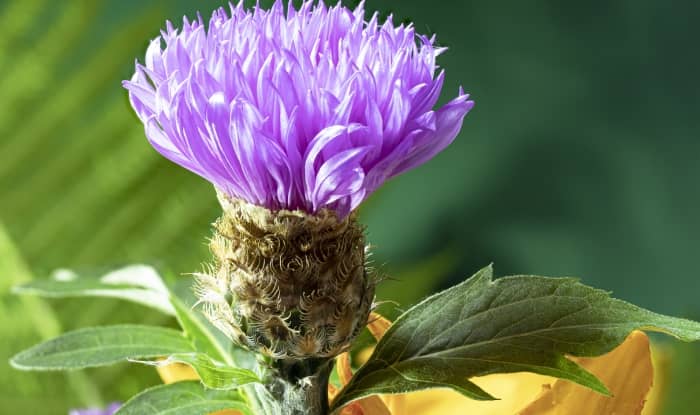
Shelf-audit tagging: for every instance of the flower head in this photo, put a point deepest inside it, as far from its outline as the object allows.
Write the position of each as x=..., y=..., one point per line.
x=306, y=109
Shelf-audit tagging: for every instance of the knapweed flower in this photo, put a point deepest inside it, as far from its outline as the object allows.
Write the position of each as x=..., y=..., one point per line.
x=109, y=410
x=296, y=117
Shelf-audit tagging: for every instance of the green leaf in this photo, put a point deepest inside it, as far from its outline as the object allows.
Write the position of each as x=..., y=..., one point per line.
x=513, y=324
x=137, y=283
x=213, y=374
x=201, y=334
x=209, y=340
x=182, y=398
x=101, y=346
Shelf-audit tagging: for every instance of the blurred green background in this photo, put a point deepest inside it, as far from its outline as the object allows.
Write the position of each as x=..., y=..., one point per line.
x=580, y=158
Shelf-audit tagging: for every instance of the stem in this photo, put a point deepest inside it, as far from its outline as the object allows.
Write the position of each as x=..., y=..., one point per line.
x=301, y=386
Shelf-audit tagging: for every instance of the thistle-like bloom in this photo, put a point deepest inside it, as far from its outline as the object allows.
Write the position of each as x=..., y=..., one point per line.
x=295, y=117
x=309, y=109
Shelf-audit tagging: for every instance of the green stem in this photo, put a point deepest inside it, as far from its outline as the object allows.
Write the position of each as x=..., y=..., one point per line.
x=301, y=386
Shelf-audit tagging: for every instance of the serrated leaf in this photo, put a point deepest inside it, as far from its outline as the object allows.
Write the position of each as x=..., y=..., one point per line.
x=136, y=283
x=213, y=375
x=182, y=398
x=513, y=324
x=101, y=346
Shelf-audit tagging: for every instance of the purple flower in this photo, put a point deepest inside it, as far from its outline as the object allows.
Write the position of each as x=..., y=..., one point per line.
x=109, y=410
x=313, y=108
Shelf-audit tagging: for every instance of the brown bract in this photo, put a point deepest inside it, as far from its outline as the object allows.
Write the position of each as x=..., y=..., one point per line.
x=286, y=283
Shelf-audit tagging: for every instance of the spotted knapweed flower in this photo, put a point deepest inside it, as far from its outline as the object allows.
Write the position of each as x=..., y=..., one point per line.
x=296, y=117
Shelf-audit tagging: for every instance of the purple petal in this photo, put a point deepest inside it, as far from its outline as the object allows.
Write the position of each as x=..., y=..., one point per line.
x=309, y=109
x=448, y=121
x=340, y=176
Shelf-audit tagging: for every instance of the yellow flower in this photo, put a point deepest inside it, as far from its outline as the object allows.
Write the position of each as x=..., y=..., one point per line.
x=627, y=371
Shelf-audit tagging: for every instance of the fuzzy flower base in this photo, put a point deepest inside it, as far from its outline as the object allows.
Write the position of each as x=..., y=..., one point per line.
x=285, y=283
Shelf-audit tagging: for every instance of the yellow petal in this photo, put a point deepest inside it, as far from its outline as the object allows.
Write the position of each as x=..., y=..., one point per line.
x=363, y=355
x=626, y=371
x=378, y=325
x=395, y=403
x=342, y=363
x=374, y=405
x=514, y=390
x=332, y=392
x=176, y=372
x=661, y=360
x=352, y=409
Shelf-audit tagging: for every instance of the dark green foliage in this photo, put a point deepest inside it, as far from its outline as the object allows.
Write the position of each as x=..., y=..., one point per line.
x=513, y=324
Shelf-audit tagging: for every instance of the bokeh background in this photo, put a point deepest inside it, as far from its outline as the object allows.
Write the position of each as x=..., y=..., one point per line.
x=580, y=158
